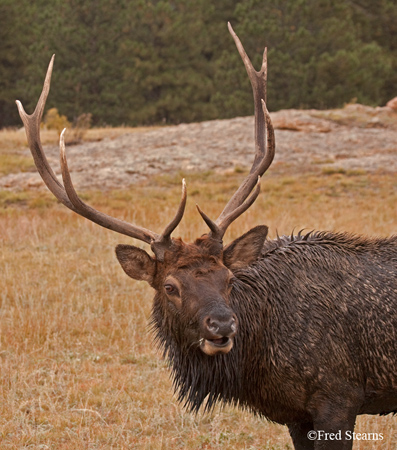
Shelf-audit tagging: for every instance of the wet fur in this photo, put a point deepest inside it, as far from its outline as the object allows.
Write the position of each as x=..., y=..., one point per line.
x=317, y=328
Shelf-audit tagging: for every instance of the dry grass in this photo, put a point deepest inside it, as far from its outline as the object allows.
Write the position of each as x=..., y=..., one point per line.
x=79, y=370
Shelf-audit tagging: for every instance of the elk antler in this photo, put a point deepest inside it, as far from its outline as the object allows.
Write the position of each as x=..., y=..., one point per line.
x=264, y=154
x=66, y=193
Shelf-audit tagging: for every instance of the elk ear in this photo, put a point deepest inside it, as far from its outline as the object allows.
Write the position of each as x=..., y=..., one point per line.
x=246, y=249
x=136, y=263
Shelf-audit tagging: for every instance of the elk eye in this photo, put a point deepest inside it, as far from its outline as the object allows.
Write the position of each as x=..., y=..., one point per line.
x=170, y=289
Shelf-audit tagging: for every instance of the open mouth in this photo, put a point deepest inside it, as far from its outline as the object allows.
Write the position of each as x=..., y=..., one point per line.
x=219, y=342
x=216, y=346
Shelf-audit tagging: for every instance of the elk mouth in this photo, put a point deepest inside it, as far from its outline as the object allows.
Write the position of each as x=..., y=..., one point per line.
x=216, y=346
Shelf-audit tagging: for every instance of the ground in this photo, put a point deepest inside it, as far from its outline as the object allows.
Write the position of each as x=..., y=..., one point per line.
x=356, y=137
x=79, y=367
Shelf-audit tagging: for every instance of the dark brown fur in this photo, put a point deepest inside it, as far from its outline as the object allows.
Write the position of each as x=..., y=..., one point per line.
x=316, y=343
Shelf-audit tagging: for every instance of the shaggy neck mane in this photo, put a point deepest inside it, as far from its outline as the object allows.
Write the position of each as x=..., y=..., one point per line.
x=346, y=242
x=202, y=380
x=199, y=379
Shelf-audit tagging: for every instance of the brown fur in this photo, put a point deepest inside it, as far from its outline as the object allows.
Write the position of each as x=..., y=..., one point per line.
x=316, y=342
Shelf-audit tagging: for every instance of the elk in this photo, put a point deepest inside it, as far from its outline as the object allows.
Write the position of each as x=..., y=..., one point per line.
x=300, y=330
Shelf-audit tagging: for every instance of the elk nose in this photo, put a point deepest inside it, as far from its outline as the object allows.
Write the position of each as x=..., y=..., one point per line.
x=221, y=326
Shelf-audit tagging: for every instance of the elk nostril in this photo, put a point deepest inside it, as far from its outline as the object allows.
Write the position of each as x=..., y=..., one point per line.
x=212, y=325
x=224, y=327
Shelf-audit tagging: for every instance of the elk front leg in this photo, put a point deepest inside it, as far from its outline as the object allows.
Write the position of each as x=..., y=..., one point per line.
x=322, y=436
x=334, y=421
x=300, y=433
x=333, y=437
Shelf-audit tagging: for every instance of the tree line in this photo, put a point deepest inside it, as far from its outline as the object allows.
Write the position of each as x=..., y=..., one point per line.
x=147, y=62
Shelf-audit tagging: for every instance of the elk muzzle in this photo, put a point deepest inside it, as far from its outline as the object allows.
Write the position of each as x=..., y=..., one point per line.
x=218, y=331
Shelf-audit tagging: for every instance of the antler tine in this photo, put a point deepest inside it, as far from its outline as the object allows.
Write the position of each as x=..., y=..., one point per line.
x=32, y=129
x=164, y=242
x=67, y=194
x=264, y=154
x=217, y=231
x=166, y=235
x=259, y=88
x=92, y=214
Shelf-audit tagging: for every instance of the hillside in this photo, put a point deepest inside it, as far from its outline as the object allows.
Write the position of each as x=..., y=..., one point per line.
x=355, y=138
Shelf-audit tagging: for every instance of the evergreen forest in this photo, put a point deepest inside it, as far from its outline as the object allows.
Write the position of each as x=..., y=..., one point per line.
x=137, y=62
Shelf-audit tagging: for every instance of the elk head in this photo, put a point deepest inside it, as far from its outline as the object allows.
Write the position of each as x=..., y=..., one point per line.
x=193, y=282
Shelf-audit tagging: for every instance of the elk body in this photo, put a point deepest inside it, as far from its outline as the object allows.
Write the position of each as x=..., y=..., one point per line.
x=300, y=330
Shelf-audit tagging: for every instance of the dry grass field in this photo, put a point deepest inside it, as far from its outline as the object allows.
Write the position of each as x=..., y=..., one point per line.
x=78, y=366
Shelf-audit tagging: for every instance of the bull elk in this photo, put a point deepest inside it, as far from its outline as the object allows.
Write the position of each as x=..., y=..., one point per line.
x=300, y=330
